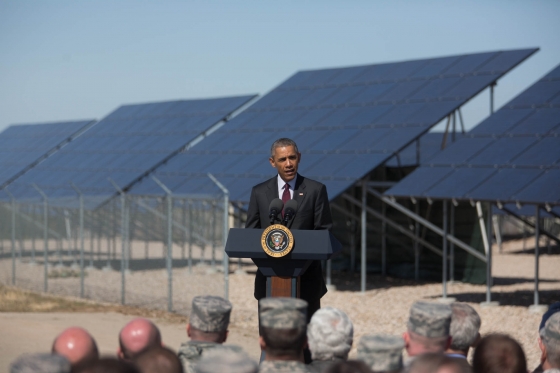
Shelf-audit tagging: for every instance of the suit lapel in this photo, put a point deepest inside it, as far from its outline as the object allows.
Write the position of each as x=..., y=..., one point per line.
x=299, y=195
x=272, y=190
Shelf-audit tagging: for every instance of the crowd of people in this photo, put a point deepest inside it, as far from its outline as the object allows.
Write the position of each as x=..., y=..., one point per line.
x=437, y=339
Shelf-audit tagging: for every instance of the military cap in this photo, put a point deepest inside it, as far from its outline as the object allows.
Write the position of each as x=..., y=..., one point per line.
x=551, y=331
x=210, y=313
x=279, y=318
x=40, y=363
x=226, y=361
x=283, y=302
x=381, y=352
x=430, y=319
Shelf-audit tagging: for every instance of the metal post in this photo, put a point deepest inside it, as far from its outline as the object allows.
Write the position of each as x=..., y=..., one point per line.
x=91, y=243
x=497, y=232
x=383, y=240
x=417, y=244
x=225, y=233
x=451, y=244
x=537, y=249
x=183, y=223
x=444, y=249
x=489, y=281
x=492, y=98
x=363, y=237
x=352, y=245
x=13, y=235
x=123, y=234
x=454, y=126
x=191, y=227
x=81, y=219
x=33, y=239
x=127, y=237
x=45, y=237
x=213, y=235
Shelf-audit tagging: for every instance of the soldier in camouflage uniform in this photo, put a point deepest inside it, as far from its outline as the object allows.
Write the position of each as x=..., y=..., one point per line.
x=382, y=353
x=34, y=363
x=207, y=329
x=549, y=343
x=428, y=328
x=283, y=334
x=226, y=361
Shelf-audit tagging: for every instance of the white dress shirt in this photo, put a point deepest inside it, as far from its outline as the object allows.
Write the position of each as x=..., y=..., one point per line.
x=281, y=184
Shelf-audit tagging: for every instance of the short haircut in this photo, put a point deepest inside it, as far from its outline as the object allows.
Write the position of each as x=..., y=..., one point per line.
x=284, y=341
x=499, y=353
x=552, y=349
x=159, y=360
x=432, y=362
x=465, y=324
x=430, y=344
x=330, y=334
x=200, y=335
x=281, y=143
x=108, y=365
x=350, y=366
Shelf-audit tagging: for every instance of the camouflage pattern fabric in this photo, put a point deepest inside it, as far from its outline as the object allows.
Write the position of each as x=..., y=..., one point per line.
x=47, y=363
x=381, y=352
x=283, y=319
x=191, y=352
x=430, y=319
x=319, y=366
x=210, y=313
x=226, y=361
x=551, y=331
x=278, y=366
x=266, y=304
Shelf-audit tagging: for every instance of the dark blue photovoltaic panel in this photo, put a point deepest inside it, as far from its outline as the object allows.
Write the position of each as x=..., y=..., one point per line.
x=511, y=157
x=125, y=145
x=21, y=146
x=346, y=121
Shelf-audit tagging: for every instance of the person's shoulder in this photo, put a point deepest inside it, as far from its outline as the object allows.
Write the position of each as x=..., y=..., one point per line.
x=282, y=366
x=264, y=184
x=310, y=183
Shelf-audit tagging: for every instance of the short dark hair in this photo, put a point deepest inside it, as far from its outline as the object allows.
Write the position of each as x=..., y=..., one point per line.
x=201, y=335
x=159, y=360
x=499, y=353
x=284, y=141
x=107, y=365
x=284, y=341
x=350, y=366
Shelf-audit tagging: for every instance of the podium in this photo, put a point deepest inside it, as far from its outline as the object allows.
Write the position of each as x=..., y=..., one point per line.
x=282, y=274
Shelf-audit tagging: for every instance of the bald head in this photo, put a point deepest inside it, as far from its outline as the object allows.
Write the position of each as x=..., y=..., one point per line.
x=76, y=345
x=136, y=337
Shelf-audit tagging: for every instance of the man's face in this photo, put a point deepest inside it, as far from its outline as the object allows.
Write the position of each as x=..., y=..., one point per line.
x=286, y=161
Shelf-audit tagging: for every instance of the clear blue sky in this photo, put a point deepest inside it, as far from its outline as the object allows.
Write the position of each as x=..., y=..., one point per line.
x=67, y=60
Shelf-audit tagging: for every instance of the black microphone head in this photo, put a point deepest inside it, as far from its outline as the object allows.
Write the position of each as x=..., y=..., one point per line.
x=276, y=205
x=291, y=207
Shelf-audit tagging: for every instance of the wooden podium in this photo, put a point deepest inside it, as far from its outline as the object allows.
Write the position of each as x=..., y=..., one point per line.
x=282, y=274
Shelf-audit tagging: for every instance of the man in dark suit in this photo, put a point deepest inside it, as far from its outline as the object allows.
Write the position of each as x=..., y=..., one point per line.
x=313, y=213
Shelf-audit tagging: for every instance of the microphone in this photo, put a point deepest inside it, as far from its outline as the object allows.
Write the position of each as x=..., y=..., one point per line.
x=290, y=210
x=274, y=209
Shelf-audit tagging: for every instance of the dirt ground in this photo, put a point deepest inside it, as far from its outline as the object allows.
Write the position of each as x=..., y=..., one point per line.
x=383, y=308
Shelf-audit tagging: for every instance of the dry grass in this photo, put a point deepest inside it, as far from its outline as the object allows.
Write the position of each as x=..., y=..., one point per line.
x=18, y=300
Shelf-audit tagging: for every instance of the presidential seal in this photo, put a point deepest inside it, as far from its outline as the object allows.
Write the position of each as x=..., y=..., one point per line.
x=277, y=241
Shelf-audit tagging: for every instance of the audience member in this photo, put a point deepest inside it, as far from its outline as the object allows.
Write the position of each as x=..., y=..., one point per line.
x=108, y=365
x=158, y=360
x=554, y=308
x=382, y=353
x=40, y=363
x=136, y=337
x=549, y=343
x=499, y=353
x=283, y=338
x=226, y=361
x=428, y=328
x=437, y=363
x=350, y=366
x=464, y=330
x=76, y=345
x=207, y=328
x=330, y=334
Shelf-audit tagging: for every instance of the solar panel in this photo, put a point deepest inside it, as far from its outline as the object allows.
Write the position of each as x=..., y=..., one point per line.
x=511, y=157
x=346, y=122
x=125, y=145
x=24, y=145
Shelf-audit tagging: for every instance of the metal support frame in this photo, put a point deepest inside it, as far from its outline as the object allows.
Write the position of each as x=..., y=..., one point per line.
x=191, y=227
x=363, y=238
x=45, y=238
x=81, y=233
x=451, y=245
x=492, y=97
x=537, y=249
x=444, y=140
x=489, y=280
x=225, y=233
x=417, y=244
x=528, y=223
x=123, y=238
x=444, y=250
x=383, y=240
x=497, y=231
x=13, y=235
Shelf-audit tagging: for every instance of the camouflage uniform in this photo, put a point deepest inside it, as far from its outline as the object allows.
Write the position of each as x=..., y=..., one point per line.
x=319, y=366
x=382, y=353
x=283, y=313
x=550, y=336
x=431, y=320
x=31, y=363
x=226, y=361
x=209, y=314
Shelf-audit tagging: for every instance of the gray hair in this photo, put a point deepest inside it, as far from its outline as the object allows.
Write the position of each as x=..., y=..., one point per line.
x=40, y=363
x=281, y=143
x=550, y=337
x=330, y=334
x=465, y=324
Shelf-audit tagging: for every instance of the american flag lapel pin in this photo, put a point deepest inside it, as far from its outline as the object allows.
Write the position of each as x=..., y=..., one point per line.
x=301, y=194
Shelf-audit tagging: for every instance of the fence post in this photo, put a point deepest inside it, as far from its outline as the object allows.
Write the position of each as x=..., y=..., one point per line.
x=45, y=237
x=225, y=233
x=81, y=218
x=13, y=235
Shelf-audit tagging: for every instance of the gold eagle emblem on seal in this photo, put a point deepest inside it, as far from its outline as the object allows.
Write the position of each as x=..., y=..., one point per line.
x=277, y=241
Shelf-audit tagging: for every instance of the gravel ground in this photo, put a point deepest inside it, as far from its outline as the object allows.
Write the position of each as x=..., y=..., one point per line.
x=383, y=308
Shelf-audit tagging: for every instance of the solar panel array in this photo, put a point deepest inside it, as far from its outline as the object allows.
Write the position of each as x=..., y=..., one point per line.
x=421, y=150
x=346, y=122
x=125, y=145
x=512, y=156
x=22, y=145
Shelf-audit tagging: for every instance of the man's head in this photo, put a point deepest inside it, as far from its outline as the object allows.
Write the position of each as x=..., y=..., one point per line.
x=465, y=324
x=226, y=361
x=549, y=342
x=437, y=363
x=285, y=157
x=330, y=334
x=136, y=337
x=499, y=353
x=283, y=328
x=76, y=345
x=209, y=319
x=382, y=353
x=108, y=365
x=158, y=360
x=428, y=328
x=40, y=363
